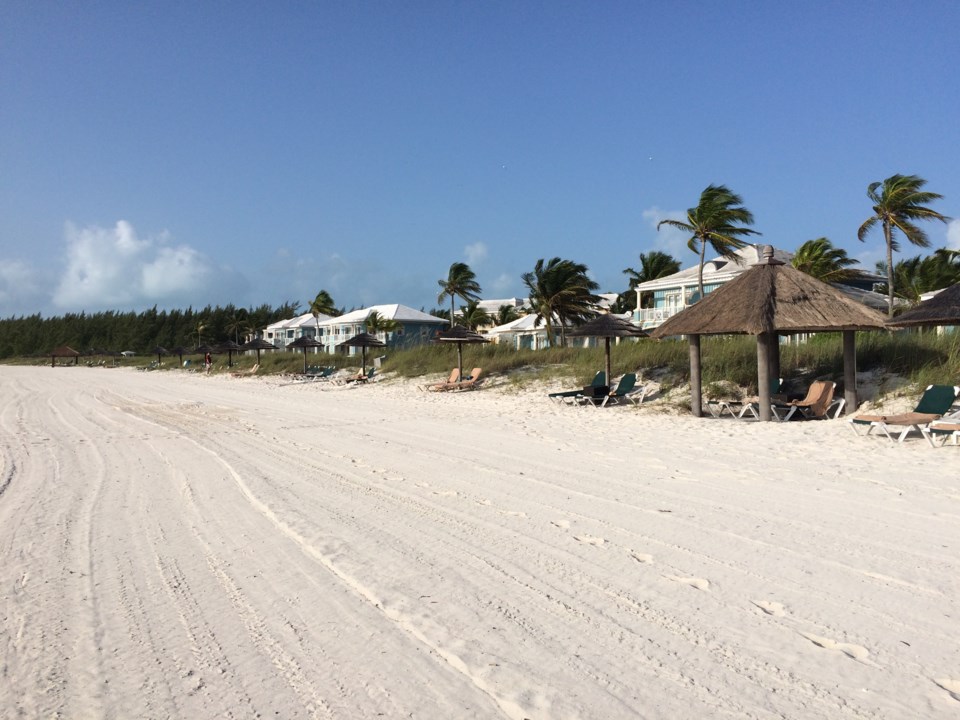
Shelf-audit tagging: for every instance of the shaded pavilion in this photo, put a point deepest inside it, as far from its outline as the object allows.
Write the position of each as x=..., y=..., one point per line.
x=768, y=300
x=64, y=351
x=258, y=344
x=607, y=327
x=942, y=309
x=459, y=336
x=363, y=341
x=302, y=343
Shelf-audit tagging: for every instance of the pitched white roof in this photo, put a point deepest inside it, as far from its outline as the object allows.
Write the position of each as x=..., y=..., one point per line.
x=717, y=270
x=400, y=313
x=306, y=320
x=524, y=323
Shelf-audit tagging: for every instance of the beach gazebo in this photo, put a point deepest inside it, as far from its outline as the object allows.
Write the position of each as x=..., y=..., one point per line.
x=459, y=336
x=229, y=347
x=64, y=351
x=768, y=300
x=607, y=327
x=942, y=309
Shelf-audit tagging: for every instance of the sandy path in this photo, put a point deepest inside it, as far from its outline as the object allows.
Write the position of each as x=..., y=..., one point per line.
x=183, y=546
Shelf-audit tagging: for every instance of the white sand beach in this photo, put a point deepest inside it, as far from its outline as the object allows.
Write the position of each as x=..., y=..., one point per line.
x=181, y=546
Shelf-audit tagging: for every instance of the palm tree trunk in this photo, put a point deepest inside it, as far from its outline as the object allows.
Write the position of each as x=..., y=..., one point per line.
x=703, y=253
x=451, y=310
x=888, y=236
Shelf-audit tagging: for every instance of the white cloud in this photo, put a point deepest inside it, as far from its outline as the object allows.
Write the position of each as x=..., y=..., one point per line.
x=504, y=285
x=111, y=268
x=668, y=238
x=475, y=253
x=953, y=235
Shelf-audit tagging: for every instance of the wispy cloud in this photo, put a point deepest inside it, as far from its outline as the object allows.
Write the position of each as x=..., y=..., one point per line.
x=475, y=253
x=20, y=288
x=953, y=235
x=669, y=239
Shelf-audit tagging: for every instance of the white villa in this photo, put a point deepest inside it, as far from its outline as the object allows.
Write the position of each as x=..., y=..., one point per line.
x=284, y=332
x=416, y=327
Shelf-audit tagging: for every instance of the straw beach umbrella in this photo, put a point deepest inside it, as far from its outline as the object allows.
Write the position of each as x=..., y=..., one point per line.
x=607, y=326
x=303, y=342
x=229, y=347
x=258, y=344
x=942, y=309
x=179, y=350
x=767, y=300
x=460, y=336
x=363, y=341
x=160, y=352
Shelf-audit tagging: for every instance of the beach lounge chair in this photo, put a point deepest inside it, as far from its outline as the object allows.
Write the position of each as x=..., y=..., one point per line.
x=943, y=430
x=470, y=382
x=747, y=406
x=246, y=373
x=625, y=392
x=599, y=380
x=454, y=378
x=935, y=402
x=815, y=406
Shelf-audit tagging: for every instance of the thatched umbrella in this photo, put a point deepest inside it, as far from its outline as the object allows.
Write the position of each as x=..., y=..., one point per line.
x=179, y=350
x=461, y=336
x=304, y=342
x=160, y=351
x=64, y=351
x=942, y=309
x=229, y=347
x=363, y=341
x=258, y=344
x=607, y=326
x=767, y=300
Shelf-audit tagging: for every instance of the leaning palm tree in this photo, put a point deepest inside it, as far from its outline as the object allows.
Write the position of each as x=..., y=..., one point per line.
x=653, y=265
x=236, y=323
x=560, y=290
x=201, y=326
x=461, y=283
x=914, y=276
x=322, y=304
x=820, y=259
x=716, y=221
x=898, y=202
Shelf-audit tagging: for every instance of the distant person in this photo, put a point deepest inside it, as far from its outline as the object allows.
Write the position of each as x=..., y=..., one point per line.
x=207, y=362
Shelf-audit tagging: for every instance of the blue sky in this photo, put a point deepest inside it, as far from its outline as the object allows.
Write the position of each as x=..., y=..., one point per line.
x=182, y=153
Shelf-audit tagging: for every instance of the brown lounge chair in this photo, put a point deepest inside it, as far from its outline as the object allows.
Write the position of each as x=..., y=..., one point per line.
x=454, y=378
x=815, y=406
x=469, y=383
x=935, y=402
x=246, y=373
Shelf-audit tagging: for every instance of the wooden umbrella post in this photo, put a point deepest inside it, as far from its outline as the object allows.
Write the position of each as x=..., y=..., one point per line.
x=696, y=394
x=764, y=352
x=849, y=371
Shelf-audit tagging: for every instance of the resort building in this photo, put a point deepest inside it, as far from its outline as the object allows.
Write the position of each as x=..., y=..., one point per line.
x=414, y=327
x=660, y=299
x=284, y=332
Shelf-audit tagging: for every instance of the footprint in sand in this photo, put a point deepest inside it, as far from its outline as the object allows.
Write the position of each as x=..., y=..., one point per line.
x=770, y=608
x=483, y=502
x=642, y=557
x=514, y=513
x=694, y=582
x=951, y=686
x=562, y=524
x=858, y=653
x=589, y=539
x=445, y=493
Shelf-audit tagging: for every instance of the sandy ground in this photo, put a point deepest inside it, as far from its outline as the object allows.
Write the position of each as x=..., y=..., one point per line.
x=178, y=546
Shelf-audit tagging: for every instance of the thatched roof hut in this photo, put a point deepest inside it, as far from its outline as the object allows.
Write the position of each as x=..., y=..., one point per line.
x=460, y=336
x=64, y=351
x=942, y=309
x=771, y=299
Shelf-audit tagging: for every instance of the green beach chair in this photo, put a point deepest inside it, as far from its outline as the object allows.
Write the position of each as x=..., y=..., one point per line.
x=599, y=380
x=934, y=404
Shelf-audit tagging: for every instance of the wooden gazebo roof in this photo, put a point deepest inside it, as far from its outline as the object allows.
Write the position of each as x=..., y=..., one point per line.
x=942, y=309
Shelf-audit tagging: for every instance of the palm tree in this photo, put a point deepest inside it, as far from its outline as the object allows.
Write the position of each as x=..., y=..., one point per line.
x=899, y=203
x=560, y=289
x=473, y=316
x=506, y=313
x=201, y=326
x=914, y=276
x=377, y=323
x=820, y=259
x=461, y=283
x=322, y=304
x=653, y=265
x=715, y=221
x=237, y=322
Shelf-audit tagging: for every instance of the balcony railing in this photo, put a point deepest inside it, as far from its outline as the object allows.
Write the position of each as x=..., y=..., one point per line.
x=652, y=317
